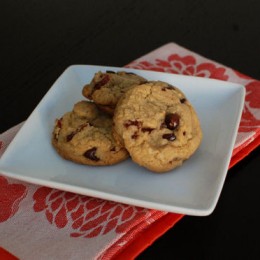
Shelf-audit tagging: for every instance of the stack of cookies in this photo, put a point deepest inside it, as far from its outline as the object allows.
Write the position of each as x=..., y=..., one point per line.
x=124, y=115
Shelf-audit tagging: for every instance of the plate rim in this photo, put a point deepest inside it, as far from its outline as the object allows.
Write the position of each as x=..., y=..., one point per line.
x=115, y=197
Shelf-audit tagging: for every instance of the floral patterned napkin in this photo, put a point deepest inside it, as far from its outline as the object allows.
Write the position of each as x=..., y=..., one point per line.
x=42, y=223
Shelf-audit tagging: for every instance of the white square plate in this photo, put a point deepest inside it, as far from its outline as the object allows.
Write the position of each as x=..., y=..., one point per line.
x=192, y=189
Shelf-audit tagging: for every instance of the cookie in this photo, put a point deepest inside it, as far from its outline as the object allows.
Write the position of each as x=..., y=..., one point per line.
x=105, y=89
x=157, y=125
x=84, y=136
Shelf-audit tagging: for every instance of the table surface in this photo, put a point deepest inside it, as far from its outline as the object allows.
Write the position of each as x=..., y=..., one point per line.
x=39, y=39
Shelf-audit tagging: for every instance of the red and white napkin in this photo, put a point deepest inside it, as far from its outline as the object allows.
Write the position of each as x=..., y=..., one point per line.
x=42, y=223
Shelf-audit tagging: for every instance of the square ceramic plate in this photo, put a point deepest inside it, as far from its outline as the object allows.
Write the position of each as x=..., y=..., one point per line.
x=192, y=189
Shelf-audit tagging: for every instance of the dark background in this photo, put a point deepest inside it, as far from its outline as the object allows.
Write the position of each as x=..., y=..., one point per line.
x=39, y=39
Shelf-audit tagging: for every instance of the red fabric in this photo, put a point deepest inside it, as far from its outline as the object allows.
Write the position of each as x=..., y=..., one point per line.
x=97, y=229
x=244, y=152
x=5, y=255
x=148, y=236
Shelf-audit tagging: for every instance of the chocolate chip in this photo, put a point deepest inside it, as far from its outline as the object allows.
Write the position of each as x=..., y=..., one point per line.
x=172, y=121
x=168, y=87
x=170, y=137
x=110, y=71
x=184, y=133
x=113, y=149
x=102, y=82
x=59, y=122
x=71, y=135
x=171, y=87
x=183, y=100
x=91, y=154
x=135, y=135
x=130, y=73
x=147, y=129
x=131, y=122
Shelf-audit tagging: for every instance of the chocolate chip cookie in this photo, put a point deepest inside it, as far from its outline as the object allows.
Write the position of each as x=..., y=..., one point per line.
x=105, y=89
x=157, y=125
x=84, y=136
